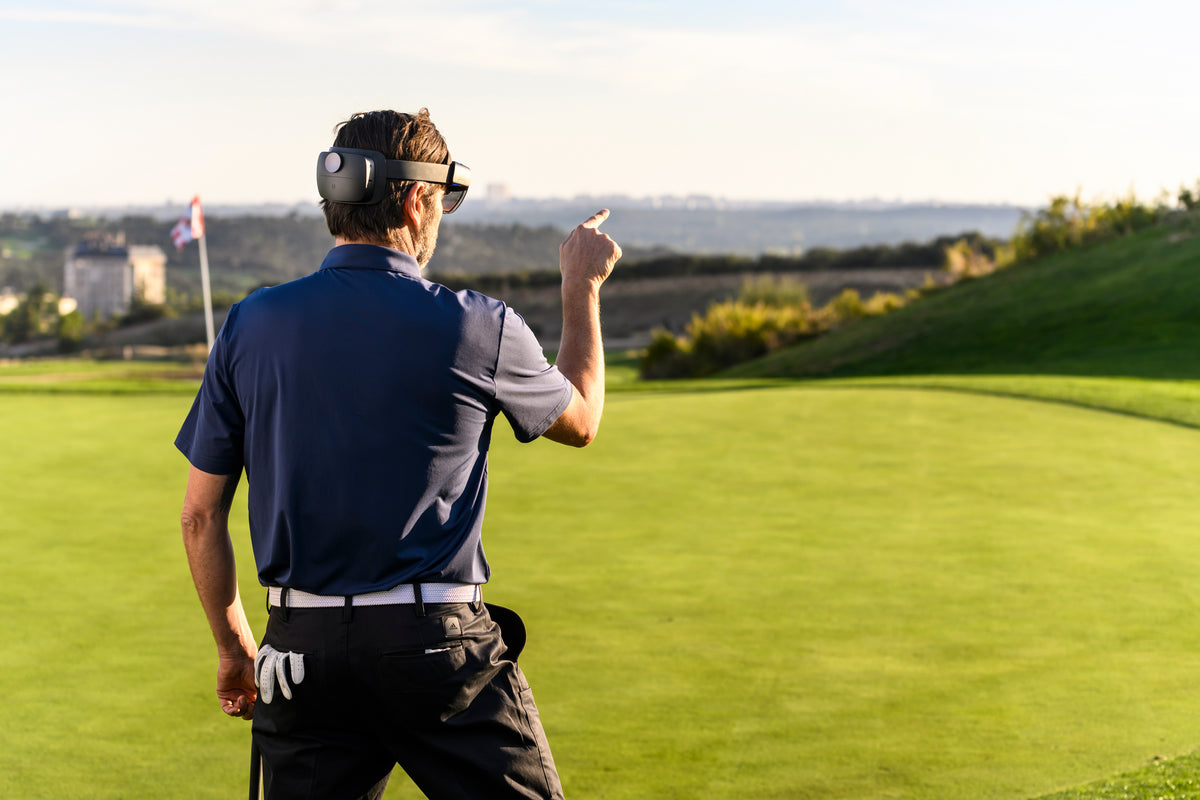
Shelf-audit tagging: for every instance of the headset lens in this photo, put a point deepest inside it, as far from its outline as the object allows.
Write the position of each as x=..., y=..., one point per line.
x=452, y=199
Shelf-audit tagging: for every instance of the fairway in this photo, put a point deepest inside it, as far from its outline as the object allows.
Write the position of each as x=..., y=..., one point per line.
x=798, y=592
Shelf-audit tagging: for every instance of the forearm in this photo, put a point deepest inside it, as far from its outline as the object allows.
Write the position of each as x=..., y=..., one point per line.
x=214, y=572
x=205, y=525
x=581, y=350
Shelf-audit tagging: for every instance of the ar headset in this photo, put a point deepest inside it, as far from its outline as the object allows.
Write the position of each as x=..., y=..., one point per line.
x=359, y=177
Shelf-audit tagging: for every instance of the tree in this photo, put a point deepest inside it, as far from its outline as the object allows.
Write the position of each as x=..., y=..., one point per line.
x=36, y=315
x=70, y=332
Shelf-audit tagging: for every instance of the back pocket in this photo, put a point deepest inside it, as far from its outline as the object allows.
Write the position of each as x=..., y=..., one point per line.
x=422, y=669
x=426, y=683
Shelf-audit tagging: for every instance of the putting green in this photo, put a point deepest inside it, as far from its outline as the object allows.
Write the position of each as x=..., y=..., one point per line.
x=794, y=592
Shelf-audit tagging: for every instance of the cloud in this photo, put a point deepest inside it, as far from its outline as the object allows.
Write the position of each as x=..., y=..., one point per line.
x=860, y=96
x=449, y=33
x=75, y=16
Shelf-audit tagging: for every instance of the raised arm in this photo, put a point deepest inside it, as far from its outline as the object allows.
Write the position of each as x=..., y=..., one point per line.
x=205, y=523
x=586, y=258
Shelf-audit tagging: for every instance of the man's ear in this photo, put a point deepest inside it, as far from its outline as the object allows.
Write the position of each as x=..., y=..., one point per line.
x=415, y=207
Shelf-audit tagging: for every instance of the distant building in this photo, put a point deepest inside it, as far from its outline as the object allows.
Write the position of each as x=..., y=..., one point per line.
x=498, y=193
x=104, y=276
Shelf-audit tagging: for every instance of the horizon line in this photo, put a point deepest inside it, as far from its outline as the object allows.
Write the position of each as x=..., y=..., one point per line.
x=646, y=202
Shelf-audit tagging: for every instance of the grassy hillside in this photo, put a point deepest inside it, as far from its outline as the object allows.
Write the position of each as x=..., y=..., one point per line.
x=1127, y=307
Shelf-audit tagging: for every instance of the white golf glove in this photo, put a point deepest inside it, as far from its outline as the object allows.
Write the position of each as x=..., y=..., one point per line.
x=272, y=667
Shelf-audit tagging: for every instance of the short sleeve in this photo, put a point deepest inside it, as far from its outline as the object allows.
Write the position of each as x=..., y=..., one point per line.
x=531, y=392
x=212, y=434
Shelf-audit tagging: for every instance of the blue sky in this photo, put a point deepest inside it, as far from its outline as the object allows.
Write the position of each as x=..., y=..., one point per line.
x=148, y=100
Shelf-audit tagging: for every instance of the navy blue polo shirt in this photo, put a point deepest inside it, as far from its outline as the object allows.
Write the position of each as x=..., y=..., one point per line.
x=360, y=401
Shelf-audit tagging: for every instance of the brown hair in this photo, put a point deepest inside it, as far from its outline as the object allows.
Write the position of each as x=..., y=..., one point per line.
x=404, y=137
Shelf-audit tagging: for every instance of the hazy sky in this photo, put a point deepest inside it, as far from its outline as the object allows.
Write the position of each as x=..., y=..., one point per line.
x=149, y=100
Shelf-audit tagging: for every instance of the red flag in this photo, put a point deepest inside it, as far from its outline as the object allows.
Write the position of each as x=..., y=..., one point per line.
x=189, y=227
x=197, y=218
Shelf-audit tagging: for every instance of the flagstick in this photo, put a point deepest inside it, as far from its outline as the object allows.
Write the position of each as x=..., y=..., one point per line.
x=208, y=315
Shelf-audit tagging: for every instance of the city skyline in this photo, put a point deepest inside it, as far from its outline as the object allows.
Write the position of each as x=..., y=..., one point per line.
x=147, y=101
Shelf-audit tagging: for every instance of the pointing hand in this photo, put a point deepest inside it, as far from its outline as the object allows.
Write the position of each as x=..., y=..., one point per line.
x=587, y=254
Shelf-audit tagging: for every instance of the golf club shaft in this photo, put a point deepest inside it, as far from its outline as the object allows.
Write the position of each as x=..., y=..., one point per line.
x=255, y=769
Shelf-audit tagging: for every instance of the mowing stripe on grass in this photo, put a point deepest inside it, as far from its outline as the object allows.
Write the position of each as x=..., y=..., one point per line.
x=759, y=594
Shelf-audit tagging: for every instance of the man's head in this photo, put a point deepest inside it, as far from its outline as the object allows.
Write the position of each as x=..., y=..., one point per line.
x=403, y=137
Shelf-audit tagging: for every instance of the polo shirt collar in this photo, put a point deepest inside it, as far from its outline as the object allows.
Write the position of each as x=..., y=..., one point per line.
x=369, y=256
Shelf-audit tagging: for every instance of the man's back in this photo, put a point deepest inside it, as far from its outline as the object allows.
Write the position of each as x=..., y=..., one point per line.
x=366, y=397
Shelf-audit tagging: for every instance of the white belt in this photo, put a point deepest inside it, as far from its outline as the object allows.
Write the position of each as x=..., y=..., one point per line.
x=402, y=594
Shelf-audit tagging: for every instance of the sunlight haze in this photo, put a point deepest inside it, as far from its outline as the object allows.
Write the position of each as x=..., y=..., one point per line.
x=147, y=101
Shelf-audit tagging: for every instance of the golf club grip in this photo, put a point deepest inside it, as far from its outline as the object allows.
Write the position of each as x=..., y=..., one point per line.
x=255, y=769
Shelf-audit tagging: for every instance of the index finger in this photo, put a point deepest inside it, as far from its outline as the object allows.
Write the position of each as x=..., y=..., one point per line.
x=595, y=219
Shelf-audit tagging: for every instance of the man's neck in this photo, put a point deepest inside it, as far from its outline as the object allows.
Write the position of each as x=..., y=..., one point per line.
x=339, y=241
x=404, y=245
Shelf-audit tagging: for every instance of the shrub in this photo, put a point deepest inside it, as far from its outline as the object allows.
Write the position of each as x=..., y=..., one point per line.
x=140, y=311
x=736, y=331
x=35, y=316
x=70, y=332
x=1068, y=222
x=665, y=357
x=883, y=303
x=773, y=292
x=1189, y=198
x=733, y=332
x=847, y=305
x=728, y=333
x=963, y=260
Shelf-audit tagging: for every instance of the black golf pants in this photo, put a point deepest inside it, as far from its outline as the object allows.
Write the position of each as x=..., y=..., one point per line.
x=438, y=693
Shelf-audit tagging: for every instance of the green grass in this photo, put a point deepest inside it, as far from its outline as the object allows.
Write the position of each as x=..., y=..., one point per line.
x=104, y=674
x=1167, y=401
x=901, y=580
x=1114, y=326
x=1127, y=307
x=1174, y=779
x=767, y=593
x=86, y=376
x=862, y=635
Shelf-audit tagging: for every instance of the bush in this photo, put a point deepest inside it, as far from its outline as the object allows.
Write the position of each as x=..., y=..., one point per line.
x=728, y=333
x=1068, y=222
x=773, y=292
x=1189, y=199
x=141, y=311
x=883, y=303
x=736, y=331
x=847, y=305
x=70, y=332
x=964, y=260
x=666, y=356
x=733, y=332
x=35, y=316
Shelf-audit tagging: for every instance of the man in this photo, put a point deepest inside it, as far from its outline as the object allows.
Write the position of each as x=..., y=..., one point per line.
x=360, y=401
